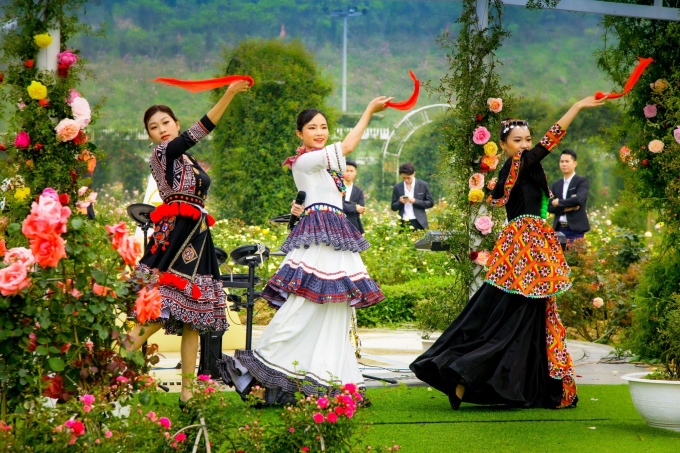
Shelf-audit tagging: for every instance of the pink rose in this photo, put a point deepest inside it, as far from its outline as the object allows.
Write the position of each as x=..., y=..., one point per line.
x=148, y=305
x=122, y=379
x=476, y=181
x=67, y=58
x=130, y=250
x=180, y=437
x=117, y=233
x=650, y=111
x=82, y=191
x=47, y=216
x=51, y=193
x=19, y=255
x=108, y=434
x=484, y=224
x=81, y=111
x=482, y=257
x=598, y=302
x=332, y=417
x=203, y=377
x=67, y=129
x=23, y=140
x=318, y=418
x=152, y=416
x=492, y=183
x=349, y=387
x=624, y=153
x=165, y=422
x=481, y=135
x=13, y=279
x=322, y=402
x=495, y=104
x=676, y=134
x=87, y=399
x=71, y=96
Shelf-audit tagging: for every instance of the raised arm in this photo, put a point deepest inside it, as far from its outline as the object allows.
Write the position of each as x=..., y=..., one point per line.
x=584, y=103
x=352, y=140
x=215, y=113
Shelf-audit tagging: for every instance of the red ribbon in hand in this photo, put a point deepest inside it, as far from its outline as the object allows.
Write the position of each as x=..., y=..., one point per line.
x=632, y=80
x=410, y=102
x=196, y=86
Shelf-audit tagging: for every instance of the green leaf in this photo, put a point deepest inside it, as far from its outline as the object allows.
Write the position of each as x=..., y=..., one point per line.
x=103, y=334
x=76, y=223
x=56, y=364
x=144, y=398
x=13, y=228
x=98, y=275
x=42, y=350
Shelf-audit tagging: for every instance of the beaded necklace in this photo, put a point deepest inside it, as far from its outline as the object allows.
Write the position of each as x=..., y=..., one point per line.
x=335, y=174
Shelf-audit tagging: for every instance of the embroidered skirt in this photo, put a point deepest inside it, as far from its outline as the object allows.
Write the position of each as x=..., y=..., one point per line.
x=181, y=258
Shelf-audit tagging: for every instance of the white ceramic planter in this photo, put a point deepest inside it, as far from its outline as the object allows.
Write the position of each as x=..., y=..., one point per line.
x=427, y=343
x=658, y=402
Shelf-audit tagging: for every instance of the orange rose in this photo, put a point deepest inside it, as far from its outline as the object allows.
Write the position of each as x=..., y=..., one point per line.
x=117, y=233
x=495, y=104
x=103, y=291
x=148, y=305
x=130, y=250
x=3, y=248
x=490, y=161
x=13, y=279
x=48, y=249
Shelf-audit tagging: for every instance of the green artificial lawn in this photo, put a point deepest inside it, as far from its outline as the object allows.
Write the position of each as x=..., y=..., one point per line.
x=421, y=421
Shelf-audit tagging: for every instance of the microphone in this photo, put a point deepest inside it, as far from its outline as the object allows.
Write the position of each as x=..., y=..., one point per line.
x=300, y=199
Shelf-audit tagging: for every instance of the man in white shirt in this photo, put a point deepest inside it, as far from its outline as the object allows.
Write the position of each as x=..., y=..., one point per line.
x=569, y=199
x=411, y=198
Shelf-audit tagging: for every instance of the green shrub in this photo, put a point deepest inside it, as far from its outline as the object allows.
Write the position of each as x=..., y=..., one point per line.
x=401, y=301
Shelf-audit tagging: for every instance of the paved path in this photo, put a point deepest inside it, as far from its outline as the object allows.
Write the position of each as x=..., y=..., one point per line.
x=387, y=353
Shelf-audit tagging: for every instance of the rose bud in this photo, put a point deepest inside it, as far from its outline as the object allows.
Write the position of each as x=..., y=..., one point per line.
x=2, y=76
x=38, y=146
x=62, y=70
x=645, y=162
x=3, y=147
x=29, y=63
x=479, y=117
x=44, y=103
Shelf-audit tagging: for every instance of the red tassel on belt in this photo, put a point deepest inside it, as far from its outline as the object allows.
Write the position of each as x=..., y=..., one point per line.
x=178, y=209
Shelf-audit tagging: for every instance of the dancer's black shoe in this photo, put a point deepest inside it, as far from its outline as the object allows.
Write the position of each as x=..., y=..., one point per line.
x=454, y=401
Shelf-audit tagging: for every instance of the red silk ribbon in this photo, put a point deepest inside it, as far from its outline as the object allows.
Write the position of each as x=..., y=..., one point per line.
x=632, y=80
x=196, y=86
x=410, y=102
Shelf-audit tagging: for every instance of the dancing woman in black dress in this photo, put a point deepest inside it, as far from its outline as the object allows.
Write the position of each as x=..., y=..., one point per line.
x=180, y=256
x=508, y=346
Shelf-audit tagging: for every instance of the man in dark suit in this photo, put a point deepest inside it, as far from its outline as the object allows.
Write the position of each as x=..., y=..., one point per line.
x=569, y=203
x=411, y=198
x=353, y=204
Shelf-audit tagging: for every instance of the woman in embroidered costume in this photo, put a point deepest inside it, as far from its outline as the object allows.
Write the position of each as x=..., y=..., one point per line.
x=306, y=345
x=507, y=346
x=180, y=256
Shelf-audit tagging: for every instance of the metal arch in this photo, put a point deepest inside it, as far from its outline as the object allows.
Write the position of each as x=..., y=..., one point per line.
x=412, y=127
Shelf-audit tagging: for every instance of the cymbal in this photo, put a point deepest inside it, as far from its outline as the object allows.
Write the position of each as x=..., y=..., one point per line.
x=221, y=255
x=285, y=218
x=140, y=212
x=245, y=254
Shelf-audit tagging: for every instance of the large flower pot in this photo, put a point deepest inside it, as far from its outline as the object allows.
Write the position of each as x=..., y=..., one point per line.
x=426, y=343
x=658, y=402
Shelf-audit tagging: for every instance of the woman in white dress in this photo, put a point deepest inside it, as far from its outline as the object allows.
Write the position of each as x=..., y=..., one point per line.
x=306, y=345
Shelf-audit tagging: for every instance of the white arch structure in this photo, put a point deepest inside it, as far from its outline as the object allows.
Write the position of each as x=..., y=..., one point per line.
x=402, y=131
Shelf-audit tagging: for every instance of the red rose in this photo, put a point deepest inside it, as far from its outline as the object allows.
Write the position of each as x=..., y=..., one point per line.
x=32, y=342
x=479, y=117
x=62, y=70
x=473, y=255
x=3, y=147
x=38, y=146
x=645, y=162
x=65, y=347
x=74, y=175
x=81, y=138
x=54, y=386
x=485, y=168
x=63, y=199
x=28, y=63
x=2, y=76
x=44, y=103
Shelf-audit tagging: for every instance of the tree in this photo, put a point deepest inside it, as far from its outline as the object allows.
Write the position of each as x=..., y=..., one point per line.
x=258, y=131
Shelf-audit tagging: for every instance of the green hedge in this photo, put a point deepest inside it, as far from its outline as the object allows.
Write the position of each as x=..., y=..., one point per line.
x=400, y=300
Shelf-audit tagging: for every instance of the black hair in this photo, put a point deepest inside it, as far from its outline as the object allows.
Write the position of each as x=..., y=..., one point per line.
x=407, y=169
x=351, y=162
x=570, y=152
x=306, y=116
x=151, y=111
x=508, y=124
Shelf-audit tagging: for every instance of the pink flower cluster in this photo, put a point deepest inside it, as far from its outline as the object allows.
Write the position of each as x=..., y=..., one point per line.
x=88, y=401
x=345, y=404
x=44, y=227
x=68, y=129
x=77, y=429
x=125, y=244
x=484, y=224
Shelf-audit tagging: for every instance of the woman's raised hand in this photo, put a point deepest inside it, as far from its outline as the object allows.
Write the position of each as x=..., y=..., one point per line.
x=590, y=102
x=378, y=104
x=238, y=87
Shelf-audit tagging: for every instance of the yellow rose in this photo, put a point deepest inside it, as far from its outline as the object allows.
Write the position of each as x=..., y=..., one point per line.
x=21, y=193
x=476, y=195
x=37, y=90
x=490, y=149
x=42, y=40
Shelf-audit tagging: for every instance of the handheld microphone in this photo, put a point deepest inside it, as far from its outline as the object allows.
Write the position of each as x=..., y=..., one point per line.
x=300, y=199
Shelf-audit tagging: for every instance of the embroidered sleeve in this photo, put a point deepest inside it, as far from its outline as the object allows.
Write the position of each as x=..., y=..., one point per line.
x=553, y=137
x=188, y=138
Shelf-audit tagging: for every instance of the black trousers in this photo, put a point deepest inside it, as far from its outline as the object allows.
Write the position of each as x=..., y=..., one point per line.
x=413, y=222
